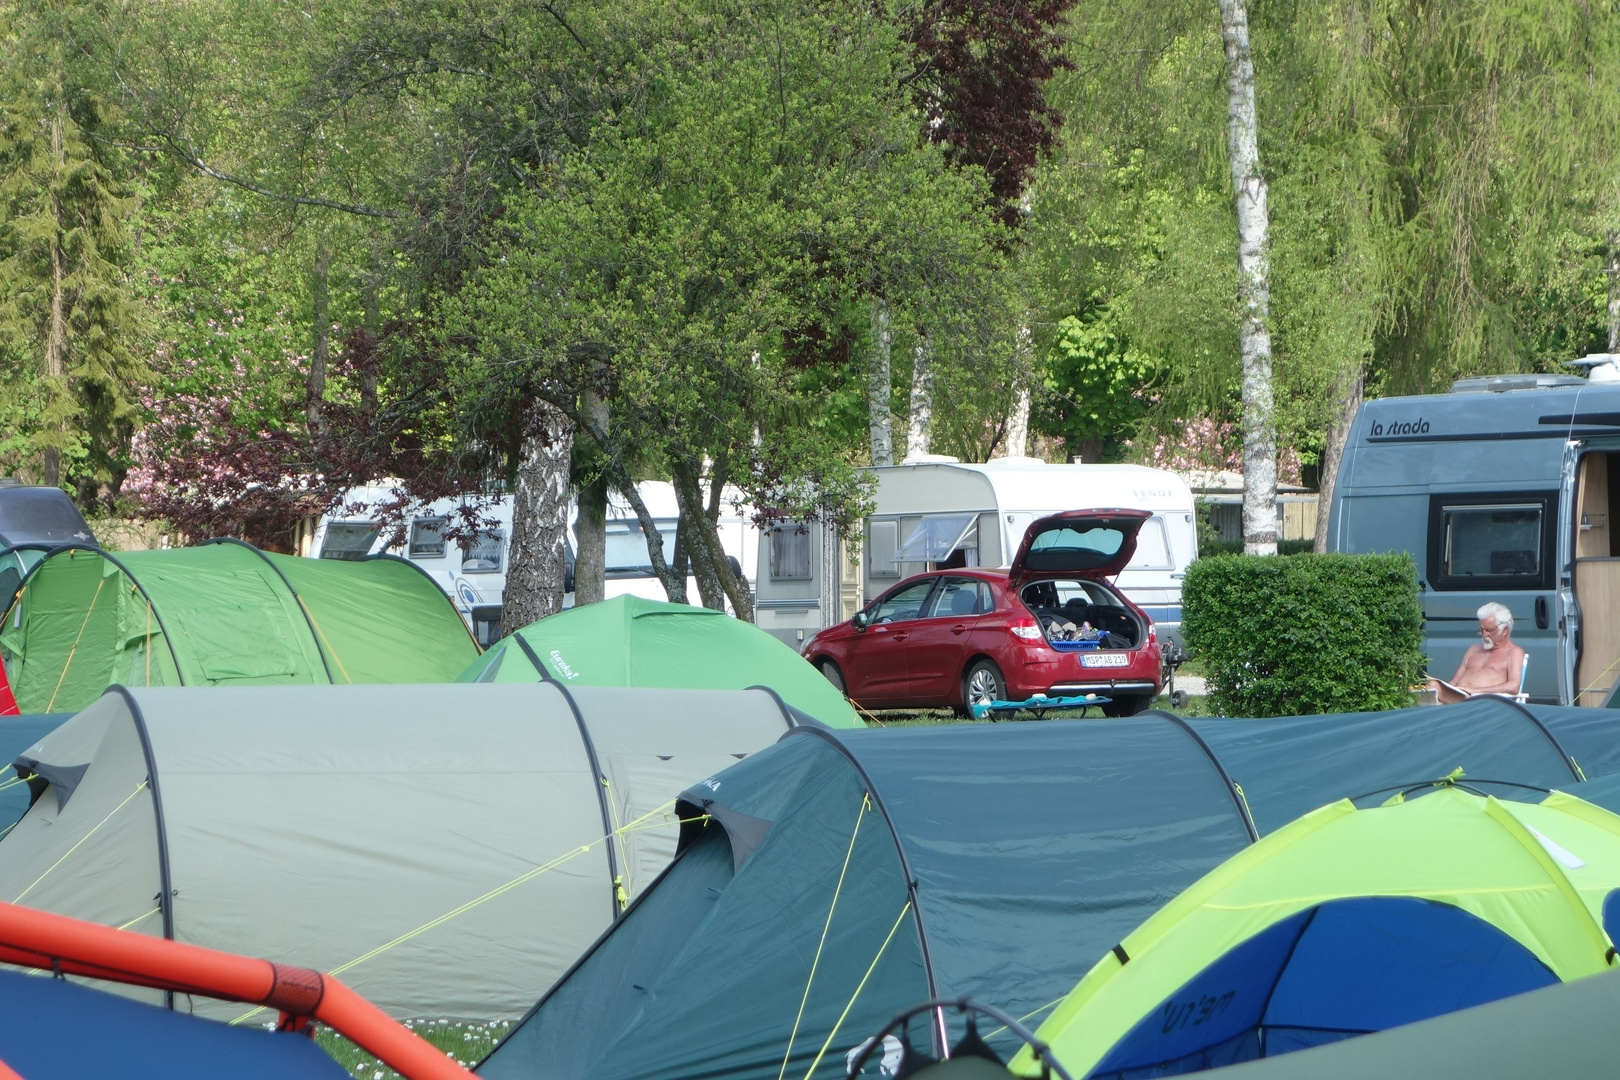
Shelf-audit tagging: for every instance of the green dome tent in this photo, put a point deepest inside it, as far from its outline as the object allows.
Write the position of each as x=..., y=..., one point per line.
x=1346, y=922
x=223, y=613
x=628, y=641
x=447, y=850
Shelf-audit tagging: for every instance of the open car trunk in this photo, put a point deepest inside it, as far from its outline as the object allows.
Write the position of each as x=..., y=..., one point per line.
x=1077, y=615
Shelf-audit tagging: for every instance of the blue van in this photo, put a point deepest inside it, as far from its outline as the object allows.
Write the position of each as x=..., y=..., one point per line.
x=1500, y=490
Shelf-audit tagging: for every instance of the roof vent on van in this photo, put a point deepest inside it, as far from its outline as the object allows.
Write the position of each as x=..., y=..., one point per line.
x=1600, y=367
x=1501, y=384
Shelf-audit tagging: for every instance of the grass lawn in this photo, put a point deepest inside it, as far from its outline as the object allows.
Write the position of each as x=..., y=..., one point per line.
x=466, y=1042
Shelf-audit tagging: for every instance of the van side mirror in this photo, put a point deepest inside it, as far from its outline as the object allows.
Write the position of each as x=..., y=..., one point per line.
x=859, y=620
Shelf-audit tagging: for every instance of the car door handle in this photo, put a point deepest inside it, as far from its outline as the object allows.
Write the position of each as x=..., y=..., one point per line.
x=958, y=628
x=1542, y=619
x=900, y=637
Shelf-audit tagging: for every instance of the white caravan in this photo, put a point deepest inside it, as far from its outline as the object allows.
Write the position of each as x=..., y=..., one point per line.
x=474, y=576
x=936, y=514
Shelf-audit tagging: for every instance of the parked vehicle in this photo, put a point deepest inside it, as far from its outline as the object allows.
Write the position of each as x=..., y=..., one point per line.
x=473, y=574
x=1503, y=489
x=33, y=520
x=937, y=513
x=1052, y=623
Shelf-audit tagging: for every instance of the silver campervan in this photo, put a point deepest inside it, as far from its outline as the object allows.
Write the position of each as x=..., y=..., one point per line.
x=1500, y=490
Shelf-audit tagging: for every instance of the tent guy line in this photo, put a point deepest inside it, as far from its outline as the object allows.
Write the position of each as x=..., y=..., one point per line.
x=833, y=1034
x=138, y=789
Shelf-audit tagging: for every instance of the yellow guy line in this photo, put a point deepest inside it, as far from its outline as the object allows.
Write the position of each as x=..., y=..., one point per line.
x=138, y=789
x=322, y=633
x=866, y=801
x=833, y=1034
x=529, y=875
x=69, y=663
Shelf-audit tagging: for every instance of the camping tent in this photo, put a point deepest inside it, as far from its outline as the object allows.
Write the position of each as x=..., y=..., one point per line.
x=1345, y=922
x=58, y=1030
x=447, y=849
x=628, y=641
x=224, y=613
x=846, y=875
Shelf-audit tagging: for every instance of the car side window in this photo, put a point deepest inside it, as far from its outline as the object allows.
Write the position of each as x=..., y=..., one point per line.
x=957, y=598
x=903, y=604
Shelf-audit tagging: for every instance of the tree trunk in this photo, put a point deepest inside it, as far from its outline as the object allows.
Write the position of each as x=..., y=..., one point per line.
x=319, y=353
x=590, y=562
x=878, y=387
x=921, y=414
x=56, y=328
x=534, y=578
x=368, y=369
x=674, y=583
x=1018, y=425
x=1614, y=291
x=716, y=582
x=1333, y=454
x=735, y=584
x=1254, y=287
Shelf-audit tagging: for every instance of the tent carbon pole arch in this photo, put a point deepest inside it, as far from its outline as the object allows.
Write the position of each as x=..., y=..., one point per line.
x=599, y=782
x=383, y=556
x=315, y=635
x=1226, y=779
x=107, y=555
x=166, y=883
x=534, y=658
x=787, y=713
x=826, y=735
x=1569, y=762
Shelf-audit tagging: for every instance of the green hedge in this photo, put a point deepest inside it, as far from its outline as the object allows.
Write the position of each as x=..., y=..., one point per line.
x=1306, y=634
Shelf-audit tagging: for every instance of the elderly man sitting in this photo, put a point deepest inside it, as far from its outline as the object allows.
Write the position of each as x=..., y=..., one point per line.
x=1494, y=666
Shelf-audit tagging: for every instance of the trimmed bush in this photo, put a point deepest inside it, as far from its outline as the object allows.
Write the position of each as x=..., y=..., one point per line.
x=1305, y=634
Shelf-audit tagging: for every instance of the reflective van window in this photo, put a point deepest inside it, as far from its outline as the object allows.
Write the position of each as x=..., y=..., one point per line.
x=483, y=554
x=1152, y=547
x=427, y=538
x=1492, y=542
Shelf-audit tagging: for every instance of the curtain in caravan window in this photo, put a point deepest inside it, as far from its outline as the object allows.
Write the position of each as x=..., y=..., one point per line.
x=1152, y=547
x=790, y=553
x=936, y=536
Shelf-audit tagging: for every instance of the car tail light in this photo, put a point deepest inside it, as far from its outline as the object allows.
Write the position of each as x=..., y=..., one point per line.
x=1027, y=629
x=1153, y=635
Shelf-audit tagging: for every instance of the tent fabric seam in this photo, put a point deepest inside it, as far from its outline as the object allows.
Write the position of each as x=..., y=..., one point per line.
x=322, y=646
x=1238, y=801
x=900, y=850
x=598, y=779
x=166, y=882
x=383, y=556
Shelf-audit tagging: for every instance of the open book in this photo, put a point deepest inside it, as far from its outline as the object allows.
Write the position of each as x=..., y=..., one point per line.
x=1453, y=687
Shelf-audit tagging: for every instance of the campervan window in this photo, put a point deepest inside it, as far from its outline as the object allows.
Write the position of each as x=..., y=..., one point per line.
x=349, y=540
x=483, y=554
x=1152, y=547
x=882, y=540
x=1491, y=542
x=790, y=553
x=626, y=550
x=936, y=536
x=427, y=538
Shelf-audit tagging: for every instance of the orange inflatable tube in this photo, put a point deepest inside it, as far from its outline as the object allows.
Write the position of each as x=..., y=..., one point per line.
x=39, y=939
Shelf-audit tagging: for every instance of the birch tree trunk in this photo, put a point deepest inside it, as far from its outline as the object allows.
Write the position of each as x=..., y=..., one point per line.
x=1254, y=286
x=590, y=561
x=878, y=387
x=921, y=414
x=534, y=579
x=1613, y=269
x=1018, y=425
x=1333, y=454
x=56, y=325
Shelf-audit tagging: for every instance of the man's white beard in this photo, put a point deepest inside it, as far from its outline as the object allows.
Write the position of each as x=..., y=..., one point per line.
x=1488, y=644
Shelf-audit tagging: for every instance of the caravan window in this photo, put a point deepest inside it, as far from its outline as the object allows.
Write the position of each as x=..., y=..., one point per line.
x=790, y=553
x=349, y=540
x=427, y=538
x=626, y=552
x=484, y=553
x=1152, y=547
x=1492, y=542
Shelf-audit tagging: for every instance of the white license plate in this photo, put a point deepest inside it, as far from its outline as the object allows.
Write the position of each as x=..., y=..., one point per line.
x=1104, y=659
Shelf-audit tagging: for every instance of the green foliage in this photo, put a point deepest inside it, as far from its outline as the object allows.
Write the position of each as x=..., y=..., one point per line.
x=1307, y=634
x=1097, y=383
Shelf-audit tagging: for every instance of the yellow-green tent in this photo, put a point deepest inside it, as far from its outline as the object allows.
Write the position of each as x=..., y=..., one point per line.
x=1350, y=921
x=223, y=613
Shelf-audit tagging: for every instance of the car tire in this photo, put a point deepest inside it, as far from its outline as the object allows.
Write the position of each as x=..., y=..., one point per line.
x=1126, y=706
x=834, y=676
x=983, y=683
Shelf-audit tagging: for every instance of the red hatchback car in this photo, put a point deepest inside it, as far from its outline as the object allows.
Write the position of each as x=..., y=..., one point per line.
x=1050, y=624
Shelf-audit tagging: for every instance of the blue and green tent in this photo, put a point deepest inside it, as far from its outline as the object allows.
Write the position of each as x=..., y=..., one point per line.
x=840, y=876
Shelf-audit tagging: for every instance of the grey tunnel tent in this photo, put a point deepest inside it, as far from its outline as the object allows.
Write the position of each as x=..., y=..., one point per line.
x=992, y=861
x=327, y=825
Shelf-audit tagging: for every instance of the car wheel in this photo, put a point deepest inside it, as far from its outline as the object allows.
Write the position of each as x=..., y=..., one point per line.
x=1126, y=706
x=984, y=684
x=834, y=676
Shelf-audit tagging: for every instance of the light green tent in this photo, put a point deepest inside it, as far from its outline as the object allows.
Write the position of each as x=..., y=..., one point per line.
x=1347, y=922
x=224, y=613
x=446, y=850
x=628, y=641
